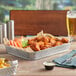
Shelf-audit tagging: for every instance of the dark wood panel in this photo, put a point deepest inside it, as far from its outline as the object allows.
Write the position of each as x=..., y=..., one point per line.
x=31, y=22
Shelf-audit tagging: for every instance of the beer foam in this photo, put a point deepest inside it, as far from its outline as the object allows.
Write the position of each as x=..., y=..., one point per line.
x=71, y=14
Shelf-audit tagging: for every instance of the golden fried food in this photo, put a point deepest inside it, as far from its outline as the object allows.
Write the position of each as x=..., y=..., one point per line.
x=42, y=42
x=4, y=63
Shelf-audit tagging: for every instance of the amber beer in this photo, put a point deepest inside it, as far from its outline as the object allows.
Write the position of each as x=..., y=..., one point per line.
x=71, y=23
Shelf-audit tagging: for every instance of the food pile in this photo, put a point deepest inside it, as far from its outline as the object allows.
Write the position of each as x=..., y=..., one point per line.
x=4, y=63
x=39, y=42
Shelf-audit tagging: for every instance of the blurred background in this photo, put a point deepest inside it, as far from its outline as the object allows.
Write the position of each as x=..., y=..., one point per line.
x=7, y=5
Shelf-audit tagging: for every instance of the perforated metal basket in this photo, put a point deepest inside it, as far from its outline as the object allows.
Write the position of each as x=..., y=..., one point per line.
x=39, y=54
x=10, y=70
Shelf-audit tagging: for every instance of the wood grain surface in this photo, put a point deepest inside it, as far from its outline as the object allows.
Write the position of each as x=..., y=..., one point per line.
x=32, y=22
x=36, y=68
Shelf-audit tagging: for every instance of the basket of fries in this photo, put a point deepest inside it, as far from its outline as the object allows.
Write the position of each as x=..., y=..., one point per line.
x=36, y=47
x=7, y=67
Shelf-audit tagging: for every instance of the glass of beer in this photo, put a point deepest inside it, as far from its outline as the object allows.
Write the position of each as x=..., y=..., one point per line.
x=71, y=25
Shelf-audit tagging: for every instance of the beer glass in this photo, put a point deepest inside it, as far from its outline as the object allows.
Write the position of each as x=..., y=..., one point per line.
x=71, y=25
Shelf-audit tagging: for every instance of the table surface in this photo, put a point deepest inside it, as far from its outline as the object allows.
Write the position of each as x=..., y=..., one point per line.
x=36, y=68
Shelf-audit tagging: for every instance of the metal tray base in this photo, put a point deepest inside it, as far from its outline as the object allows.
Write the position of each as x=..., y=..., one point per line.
x=39, y=54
